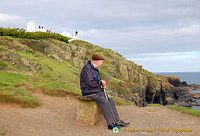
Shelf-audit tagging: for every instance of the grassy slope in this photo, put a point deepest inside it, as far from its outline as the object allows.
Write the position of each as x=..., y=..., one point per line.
x=18, y=88
x=10, y=93
x=55, y=78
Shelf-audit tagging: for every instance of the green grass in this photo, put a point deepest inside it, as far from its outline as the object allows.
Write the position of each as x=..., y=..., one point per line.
x=121, y=102
x=60, y=72
x=3, y=132
x=20, y=96
x=56, y=78
x=181, y=109
x=10, y=91
x=9, y=79
x=185, y=110
x=96, y=123
x=2, y=65
x=152, y=110
x=55, y=89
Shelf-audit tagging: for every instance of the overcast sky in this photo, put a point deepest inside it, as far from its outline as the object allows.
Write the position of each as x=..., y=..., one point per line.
x=161, y=35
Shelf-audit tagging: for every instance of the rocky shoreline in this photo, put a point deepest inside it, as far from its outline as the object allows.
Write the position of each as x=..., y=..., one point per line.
x=171, y=92
x=187, y=98
x=194, y=97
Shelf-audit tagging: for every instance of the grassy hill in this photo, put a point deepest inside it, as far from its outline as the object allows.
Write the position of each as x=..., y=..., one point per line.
x=54, y=65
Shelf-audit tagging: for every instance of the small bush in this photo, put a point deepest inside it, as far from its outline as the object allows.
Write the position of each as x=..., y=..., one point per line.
x=16, y=32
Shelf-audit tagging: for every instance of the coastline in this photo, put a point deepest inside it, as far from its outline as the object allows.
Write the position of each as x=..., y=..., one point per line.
x=192, y=96
x=188, y=83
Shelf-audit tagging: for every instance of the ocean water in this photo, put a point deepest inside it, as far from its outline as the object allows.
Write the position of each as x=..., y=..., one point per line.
x=189, y=77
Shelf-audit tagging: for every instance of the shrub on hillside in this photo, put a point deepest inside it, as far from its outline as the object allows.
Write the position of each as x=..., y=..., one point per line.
x=18, y=33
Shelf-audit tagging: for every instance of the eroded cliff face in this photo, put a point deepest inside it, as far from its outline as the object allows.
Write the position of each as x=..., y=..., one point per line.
x=124, y=78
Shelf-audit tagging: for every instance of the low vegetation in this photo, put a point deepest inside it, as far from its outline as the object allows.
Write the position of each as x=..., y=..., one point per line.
x=3, y=133
x=21, y=33
x=154, y=104
x=18, y=88
x=120, y=101
x=184, y=110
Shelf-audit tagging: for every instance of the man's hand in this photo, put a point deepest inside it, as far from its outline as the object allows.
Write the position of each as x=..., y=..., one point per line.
x=103, y=84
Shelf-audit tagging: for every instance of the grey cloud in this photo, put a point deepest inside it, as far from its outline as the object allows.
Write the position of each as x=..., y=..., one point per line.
x=169, y=62
x=126, y=26
x=147, y=39
x=11, y=20
x=114, y=13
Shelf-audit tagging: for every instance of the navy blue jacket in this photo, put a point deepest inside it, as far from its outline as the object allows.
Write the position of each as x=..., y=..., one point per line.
x=89, y=81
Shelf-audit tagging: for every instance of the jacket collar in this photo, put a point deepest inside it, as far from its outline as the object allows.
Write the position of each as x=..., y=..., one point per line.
x=89, y=62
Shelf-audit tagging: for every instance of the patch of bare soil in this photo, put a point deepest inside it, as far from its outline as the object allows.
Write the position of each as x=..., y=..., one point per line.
x=57, y=117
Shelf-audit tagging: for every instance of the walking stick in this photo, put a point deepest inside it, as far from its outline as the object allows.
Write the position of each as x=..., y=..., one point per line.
x=106, y=95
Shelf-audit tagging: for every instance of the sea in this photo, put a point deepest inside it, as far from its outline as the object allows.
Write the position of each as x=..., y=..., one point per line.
x=189, y=77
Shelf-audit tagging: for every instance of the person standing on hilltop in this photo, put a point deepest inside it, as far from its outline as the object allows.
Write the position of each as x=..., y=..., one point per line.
x=93, y=87
x=76, y=33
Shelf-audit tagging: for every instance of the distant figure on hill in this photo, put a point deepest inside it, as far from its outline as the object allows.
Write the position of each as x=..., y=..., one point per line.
x=76, y=33
x=94, y=87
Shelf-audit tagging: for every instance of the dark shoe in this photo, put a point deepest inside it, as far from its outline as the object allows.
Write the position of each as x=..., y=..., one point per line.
x=112, y=126
x=121, y=123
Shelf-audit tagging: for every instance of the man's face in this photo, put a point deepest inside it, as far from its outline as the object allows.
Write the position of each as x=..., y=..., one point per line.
x=98, y=63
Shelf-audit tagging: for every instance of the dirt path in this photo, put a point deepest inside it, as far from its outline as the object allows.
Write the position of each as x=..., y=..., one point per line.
x=57, y=116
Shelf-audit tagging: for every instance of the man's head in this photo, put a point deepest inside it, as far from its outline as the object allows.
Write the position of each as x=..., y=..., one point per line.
x=97, y=60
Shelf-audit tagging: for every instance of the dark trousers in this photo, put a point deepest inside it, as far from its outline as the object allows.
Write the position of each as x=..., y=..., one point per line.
x=107, y=107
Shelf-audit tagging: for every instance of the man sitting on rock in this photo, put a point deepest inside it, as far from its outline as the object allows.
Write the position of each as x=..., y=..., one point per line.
x=93, y=87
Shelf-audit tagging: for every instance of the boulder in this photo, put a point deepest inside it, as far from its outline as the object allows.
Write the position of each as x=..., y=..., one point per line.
x=88, y=111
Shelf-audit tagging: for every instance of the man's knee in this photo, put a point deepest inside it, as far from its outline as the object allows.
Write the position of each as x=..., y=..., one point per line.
x=103, y=100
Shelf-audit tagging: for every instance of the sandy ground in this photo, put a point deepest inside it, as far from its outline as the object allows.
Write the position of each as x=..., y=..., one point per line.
x=57, y=117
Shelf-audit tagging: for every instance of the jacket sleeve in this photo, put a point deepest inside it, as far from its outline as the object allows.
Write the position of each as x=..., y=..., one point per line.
x=89, y=78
